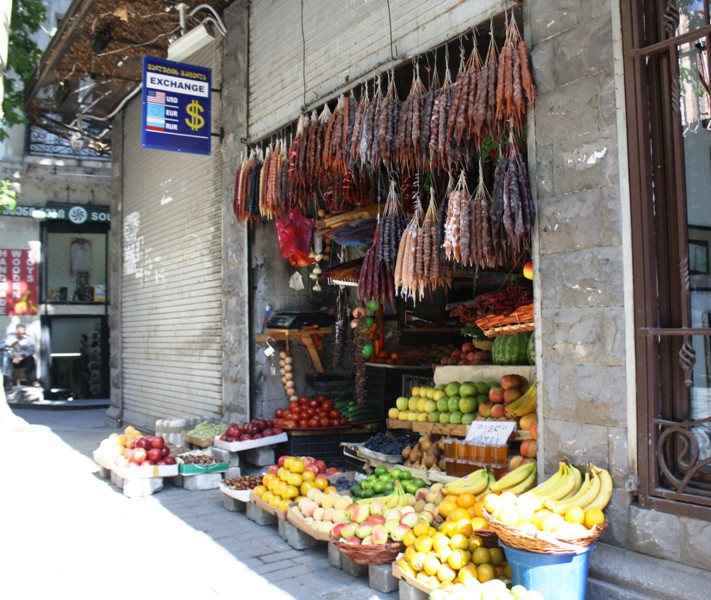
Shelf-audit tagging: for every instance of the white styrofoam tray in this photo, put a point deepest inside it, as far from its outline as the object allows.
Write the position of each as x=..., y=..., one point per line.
x=249, y=444
x=241, y=495
x=146, y=472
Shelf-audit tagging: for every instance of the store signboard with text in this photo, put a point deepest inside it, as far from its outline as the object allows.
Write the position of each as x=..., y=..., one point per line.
x=176, y=106
x=19, y=292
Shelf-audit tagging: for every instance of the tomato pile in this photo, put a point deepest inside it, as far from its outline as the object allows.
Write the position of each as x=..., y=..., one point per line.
x=308, y=412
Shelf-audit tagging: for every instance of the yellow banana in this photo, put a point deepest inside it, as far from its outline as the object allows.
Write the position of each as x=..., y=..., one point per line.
x=513, y=478
x=587, y=493
x=525, y=404
x=542, y=489
x=603, y=497
x=567, y=484
x=475, y=483
x=487, y=489
x=525, y=485
x=578, y=482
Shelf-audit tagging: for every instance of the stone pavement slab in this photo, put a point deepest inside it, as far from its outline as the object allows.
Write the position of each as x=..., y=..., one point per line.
x=66, y=533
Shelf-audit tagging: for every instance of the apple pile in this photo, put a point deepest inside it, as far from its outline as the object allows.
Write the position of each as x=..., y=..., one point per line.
x=468, y=354
x=148, y=450
x=115, y=445
x=309, y=412
x=253, y=430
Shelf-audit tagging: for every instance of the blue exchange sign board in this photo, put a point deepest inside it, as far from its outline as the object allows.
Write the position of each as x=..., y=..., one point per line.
x=176, y=106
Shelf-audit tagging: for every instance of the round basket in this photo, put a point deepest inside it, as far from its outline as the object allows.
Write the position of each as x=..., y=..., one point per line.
x=372, y=554
x=542, y=542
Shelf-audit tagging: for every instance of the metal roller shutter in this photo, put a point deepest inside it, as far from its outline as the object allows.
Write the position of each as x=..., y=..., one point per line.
x=345, y=41
x=171, y=289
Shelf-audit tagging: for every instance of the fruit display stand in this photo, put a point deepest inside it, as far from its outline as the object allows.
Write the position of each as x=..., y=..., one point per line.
x=263, y=507
x=199, y=442
x=105, y=463
x=448, y=374
x=140, y=481
x=250, y=444
x=409, y=581
x=235, y=500
x=294, y=516
x=323, y=444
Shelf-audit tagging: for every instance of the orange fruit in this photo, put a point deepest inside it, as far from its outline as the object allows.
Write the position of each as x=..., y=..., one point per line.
x=409, y=539
x=466, y=500
x=458, y=559
x=466, y=573
x=421, y=528
x=485, y=572
x=330, y=489
x=479, y=508
x=267, y=478
x=593, y=516
x=297, y=466
x=308, y=475
x=480, y=523
x=321, y=483
x=445, y=573
x=289, y=492
x=481, y=556
x=452, y=497
x=497, y=556
x=446, y=507
x=464, y=527
x=259, y=491
x=432, y=565
x=458, y=514
x=423, y=544
x=306, y=486
x=475, y=542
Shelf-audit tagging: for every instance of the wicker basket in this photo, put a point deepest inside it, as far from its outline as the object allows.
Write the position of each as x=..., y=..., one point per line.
x=489, y=537
x=518, y=321
x=372, y=554
x=542, y=542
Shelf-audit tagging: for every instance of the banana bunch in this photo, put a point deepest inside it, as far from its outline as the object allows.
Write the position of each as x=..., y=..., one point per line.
x=525, y=404
x=565, y=482
x=475, y=483
x=594, y=492
x=397, y=498
x=518, y=481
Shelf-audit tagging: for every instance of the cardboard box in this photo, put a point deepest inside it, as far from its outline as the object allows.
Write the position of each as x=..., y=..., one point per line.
x=239, y=446
x=294, y=516
x=147, y=472
x=241, y=495
x=267, y=508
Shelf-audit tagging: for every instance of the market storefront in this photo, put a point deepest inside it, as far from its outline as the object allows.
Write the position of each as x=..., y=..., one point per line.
x=226, y=310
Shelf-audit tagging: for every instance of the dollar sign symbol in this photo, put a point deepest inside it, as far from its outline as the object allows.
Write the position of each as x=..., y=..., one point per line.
x=195, y=121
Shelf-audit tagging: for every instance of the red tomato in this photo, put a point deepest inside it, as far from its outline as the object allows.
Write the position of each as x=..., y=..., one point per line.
x=335, y=422
x=304, y=423
x=334, y=414
x=304, y=400
x=279, y=413
x=314, y=403
x=313, y=422
x=343, y=421
x=327, y=404
x=321, y=398
x=324, y=422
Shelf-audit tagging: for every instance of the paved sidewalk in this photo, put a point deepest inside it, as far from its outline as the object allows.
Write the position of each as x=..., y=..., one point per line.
x=67, y=534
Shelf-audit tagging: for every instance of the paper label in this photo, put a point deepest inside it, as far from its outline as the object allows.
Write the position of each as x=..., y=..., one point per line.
x=490, y=433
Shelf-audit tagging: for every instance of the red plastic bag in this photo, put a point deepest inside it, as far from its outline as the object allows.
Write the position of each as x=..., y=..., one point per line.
x=294, y=233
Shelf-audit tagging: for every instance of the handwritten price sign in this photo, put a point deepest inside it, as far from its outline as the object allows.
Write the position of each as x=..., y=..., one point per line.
x=490, y=433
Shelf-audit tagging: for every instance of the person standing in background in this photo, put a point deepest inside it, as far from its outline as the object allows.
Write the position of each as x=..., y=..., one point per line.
x=18, y=351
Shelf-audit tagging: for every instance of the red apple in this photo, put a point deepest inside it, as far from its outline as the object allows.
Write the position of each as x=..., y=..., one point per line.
x=280, y=462
x=165, y=451
x=158, y=442
x=169, y=460
x=154, y=454
x=485, y=409
x=496, y=395
x=497, y=411
x=139, y=455
x=528, y=270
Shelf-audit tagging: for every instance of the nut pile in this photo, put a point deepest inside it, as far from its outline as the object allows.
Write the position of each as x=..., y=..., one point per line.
x=243, y=483
x=199, y=459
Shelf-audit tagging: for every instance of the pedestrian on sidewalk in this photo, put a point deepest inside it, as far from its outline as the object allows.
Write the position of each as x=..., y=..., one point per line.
x=18, y=353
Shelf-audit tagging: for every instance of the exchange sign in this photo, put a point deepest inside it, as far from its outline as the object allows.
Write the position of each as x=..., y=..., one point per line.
x=176, y=106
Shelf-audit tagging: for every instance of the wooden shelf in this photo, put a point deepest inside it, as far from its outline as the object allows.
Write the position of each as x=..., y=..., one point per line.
x=444, y=429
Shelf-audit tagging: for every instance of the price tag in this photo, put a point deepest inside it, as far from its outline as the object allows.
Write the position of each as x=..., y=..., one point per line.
x=268, y=351
x=490, y=433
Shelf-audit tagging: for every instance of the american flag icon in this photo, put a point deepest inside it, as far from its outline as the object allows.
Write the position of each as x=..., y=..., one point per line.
x=156, y=97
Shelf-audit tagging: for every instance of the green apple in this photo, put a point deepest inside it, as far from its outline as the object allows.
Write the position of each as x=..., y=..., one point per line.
x=467, y=389
x=453, y=403
x=402, y=403
x=412, y=402
x=444, y=417
x=482, y=387
x=433, y=417
x=467, y=418
x=482, y=398
x=443, y=404
x=455, y=418
x=430, y=406
x=467, y=405
x=439, y=394
x=452, y=389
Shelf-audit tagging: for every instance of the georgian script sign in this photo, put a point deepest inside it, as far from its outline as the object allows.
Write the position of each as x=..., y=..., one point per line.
x=490, y=433
x=176, y=106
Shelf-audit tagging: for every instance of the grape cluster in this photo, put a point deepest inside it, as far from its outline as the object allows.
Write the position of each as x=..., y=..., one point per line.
x=343, y=483
x=384, y=444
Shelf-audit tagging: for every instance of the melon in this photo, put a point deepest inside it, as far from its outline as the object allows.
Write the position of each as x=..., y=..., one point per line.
x=511, y=349
x=532, y=349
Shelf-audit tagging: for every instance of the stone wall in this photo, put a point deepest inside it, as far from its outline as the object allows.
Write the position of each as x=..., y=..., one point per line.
x=235, y=279
x=581, y=242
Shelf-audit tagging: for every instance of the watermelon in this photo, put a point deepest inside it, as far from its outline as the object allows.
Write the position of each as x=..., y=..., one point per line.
x=511, y=349
x=532, y=350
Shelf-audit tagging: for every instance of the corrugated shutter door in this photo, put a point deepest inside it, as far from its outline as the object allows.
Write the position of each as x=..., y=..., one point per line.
x=172, y=277
x=345, y=41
